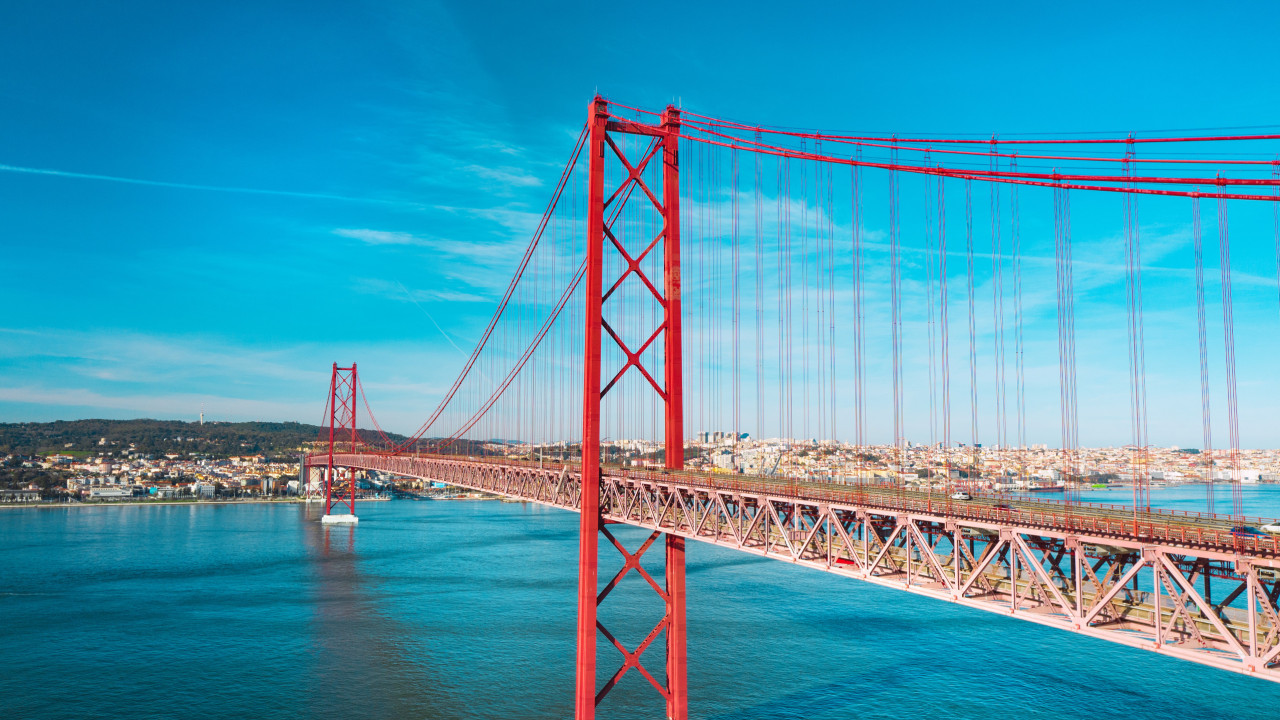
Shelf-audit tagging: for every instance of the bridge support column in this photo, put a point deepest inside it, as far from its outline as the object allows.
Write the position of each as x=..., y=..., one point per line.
x=673, y=366
x=666, y=146
x=342, y=420
x=677, y=660
x=589, y=528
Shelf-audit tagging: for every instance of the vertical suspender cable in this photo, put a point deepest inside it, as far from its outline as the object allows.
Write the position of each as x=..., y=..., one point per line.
x=943, y=331
x=820, y=305
x=1137, y=380
x=929, y=244
x=859, y=388
x=1229, y=343
x=789, y=330
x=975, y=469
x=779, y=222
x=895, y=301
x=1063, y=267
x=784, y=289
x=1073, y=416
x=737, y=316
x=700, y=208
x=716, y=308
x=804, y=296
x=1020, y=377
x=997, y=317
x=759, y=288
x=831, y=300
x=814, y=280
x=1206, y=451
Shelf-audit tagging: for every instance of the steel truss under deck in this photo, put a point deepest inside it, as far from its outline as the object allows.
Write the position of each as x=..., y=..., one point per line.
x=1211, y=604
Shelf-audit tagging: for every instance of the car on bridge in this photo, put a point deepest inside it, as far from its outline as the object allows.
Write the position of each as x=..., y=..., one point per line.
x=961, y=496
x=1247, y=531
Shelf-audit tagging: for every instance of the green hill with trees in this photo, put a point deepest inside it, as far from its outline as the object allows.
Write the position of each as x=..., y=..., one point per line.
x=84, y=438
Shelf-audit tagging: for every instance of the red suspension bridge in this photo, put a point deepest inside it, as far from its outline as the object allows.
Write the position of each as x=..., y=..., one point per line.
x=690, y=270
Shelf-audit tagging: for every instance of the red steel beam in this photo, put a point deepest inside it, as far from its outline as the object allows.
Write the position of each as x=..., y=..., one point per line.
x=589, y=527
x=351, y=475
x=677, y=633
x=675, y=691
x=333, y=414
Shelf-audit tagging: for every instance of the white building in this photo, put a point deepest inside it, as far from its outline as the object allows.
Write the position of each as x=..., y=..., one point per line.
x=110, y=493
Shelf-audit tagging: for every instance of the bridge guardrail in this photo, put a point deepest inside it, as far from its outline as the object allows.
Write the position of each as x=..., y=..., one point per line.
x=1085, y=518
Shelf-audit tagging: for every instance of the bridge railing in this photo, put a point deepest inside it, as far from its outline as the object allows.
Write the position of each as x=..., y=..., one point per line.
x=1161, y=526
x=1146, y=528
x=1120, y=522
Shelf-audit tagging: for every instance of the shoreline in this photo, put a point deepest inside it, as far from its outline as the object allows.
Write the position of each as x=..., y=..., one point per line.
x=291, y=501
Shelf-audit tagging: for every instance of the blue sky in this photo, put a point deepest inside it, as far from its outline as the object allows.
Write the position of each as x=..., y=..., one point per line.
x=208, y=203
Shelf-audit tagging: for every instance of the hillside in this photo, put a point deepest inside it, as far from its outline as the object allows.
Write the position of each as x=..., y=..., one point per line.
x=164, y=437
x=75, y=437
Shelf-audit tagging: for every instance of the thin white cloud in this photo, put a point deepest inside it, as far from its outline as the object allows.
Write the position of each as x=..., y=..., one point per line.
x=168, y=405
x=121, y=374
x=194, y=186
x=472, y=251
x=502, y=147
x=396, y=291
x=381, y=237
x=519, y=221
x=141, y=358
x=509, y=176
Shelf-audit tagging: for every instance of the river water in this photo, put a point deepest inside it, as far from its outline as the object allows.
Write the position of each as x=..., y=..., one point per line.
x=465, y=609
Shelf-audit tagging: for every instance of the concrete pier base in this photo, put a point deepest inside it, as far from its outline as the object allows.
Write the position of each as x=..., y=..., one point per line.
x=347, y=519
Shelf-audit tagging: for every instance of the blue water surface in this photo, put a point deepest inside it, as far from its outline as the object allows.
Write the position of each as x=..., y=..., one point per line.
x=466, y=609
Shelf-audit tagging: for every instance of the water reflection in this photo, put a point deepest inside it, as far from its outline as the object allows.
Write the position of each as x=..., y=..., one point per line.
x=366, y=663
x=312, y=510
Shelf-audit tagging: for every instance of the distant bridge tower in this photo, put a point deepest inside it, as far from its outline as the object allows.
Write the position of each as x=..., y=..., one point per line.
x=665, y=148
x=342, y=432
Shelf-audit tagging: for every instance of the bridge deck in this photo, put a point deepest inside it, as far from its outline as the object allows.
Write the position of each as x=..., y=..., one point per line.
x=1171, y=526
x=1177, y=583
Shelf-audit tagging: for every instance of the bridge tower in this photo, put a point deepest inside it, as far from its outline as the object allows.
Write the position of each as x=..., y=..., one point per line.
x=342, y=430
x=664, y=147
